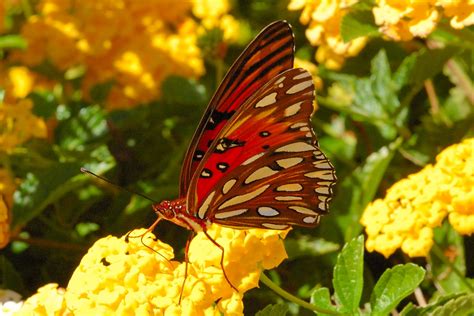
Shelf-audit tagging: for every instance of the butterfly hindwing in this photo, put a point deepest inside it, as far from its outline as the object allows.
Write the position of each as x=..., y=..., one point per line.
x=269, y=54
x=264, y=169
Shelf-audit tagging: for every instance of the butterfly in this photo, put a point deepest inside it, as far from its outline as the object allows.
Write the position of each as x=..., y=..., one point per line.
x=254, y=161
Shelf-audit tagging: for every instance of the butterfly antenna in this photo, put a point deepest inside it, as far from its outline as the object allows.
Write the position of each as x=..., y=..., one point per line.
x=84, y=170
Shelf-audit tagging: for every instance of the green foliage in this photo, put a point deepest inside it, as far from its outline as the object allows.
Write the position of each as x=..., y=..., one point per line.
x=377, y=122
x=394, y=285
x=274, y=310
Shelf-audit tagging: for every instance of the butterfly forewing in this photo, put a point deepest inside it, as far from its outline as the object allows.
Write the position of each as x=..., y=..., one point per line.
x=264, y=169
x=269, y=54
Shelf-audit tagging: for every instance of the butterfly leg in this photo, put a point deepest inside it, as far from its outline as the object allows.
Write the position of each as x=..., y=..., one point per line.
x=186, y=262
x=222, y=259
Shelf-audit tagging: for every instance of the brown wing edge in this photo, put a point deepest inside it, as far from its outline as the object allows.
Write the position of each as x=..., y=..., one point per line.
x=186, y=172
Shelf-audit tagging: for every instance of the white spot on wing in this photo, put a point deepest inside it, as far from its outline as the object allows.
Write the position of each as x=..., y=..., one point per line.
x=297, y=125
x=303, y=210
x=205, y=206
x=293, y=187
x=289, y=162
x=320, y=174
x=228, y=185
x=322, y=164
x=267, y=211
x=299, y=87
x=295, y=147
x=224, y=215
x=243, y=198
x=266, y=100
x=274, y=226
x=280, y=80
x=288, y=198
x=260, y=173
x=304, y=74
x=322, y=190
x=253, y=158
x=322, y=206
x=309, y=219
x=293, y=109
x=325, y=183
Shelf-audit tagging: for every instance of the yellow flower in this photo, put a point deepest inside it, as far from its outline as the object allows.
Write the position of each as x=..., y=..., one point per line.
x=324, y=19
x=49, y=300
x=18, y=124
x=4, y=223
x=414, y=206
x=214, y=14
x=123, y=277
x=313, y=69
x=403, y=20
x=134, y=45
x=461, y=12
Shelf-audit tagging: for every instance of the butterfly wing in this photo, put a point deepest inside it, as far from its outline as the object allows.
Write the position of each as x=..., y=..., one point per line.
x=265, y=169
x=269, y=54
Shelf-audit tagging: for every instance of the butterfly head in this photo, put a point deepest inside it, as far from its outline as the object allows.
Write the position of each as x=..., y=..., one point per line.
x=170, y=210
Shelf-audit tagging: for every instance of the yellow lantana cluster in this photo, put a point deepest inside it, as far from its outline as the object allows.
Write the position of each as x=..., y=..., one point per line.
x=123, y=277
x=405, y=19
x=7, y=187
x=4, y=223
x=214, y=14
x=412, y=207
x=17, y=122
x=134, y=45
x=324, y=23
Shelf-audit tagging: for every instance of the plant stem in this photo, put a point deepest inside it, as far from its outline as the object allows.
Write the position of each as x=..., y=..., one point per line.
x=274, y=287
x=430, y=91
x=438, y=252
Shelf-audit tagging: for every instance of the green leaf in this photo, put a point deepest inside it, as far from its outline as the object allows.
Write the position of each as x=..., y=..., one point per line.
x=9, y=277
x=305, y=246
x=358, y=23
x=444, y=33
x=42, y=188
x=411, y=310
x=183, y=91
x=99, y=92
x=394, y=285
x=44, y=103
x=322, y=299
x=423, y=65
x=361, y=187
x=87, y=126
x=461, y=306
x=381, y=83
x=446, y=240
x=12, y=41
x=273, y=310
x=348, y=275
x=376, y=99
